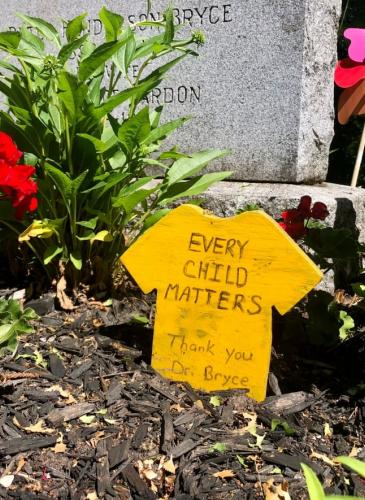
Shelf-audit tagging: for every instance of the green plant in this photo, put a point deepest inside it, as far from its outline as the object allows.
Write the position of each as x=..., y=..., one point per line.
x=332, y=249
x=93, y=168
x=14, y=321
x=37, y=357
x=315, y=489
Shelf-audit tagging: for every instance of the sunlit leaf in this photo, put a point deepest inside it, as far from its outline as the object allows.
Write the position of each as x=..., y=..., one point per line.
x=315, y=489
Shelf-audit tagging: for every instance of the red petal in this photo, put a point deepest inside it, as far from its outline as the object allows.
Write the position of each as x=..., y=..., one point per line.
x=304, y=206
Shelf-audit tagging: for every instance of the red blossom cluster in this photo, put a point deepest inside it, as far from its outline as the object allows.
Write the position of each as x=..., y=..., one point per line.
x=295, y=220
x=15, y=181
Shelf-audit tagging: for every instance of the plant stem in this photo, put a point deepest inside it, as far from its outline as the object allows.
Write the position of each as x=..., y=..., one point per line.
x=111, y=83
x=68, y=146
x=344, y=14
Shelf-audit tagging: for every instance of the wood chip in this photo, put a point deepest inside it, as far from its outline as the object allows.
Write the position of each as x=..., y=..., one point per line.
x=58, y=416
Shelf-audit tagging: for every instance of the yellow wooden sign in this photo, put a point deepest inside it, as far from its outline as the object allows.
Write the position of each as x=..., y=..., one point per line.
x=217, y=281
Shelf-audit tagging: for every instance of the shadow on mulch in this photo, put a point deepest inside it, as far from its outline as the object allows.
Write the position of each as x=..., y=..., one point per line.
x=132, y=335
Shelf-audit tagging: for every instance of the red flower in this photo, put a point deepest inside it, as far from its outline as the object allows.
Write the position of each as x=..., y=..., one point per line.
x=304, y=206
x=9, y=153
x=293, y=223
x=319, y=211
x=294, y=229
x=293, y=215
x=294, y=220
x=15, y=179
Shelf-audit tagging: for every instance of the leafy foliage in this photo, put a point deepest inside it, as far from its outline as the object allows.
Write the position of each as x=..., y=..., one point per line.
x=327, y=323
x=94, y=169
x=315, y=489
x=13, y=322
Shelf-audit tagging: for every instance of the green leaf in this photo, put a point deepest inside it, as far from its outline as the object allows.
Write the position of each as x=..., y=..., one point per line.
x=76, y=260
x=77, y=183
x=87, y=419
x=145, y=46
x=9, y=39
x=154, y=218
x=124, y=56
x=157, y=75
x=354, y=464
x=87, y=49
x=191, y=187
x=50, y=253
x=215, y=401
x=347, y=324
x=98, y=58
x=315, y=489
x=75, y=27
x=102, y=236
x=143, y=320
x=134, y=130
x=164, y=130
x=186, y=167
x=132, y=188
x=89, y=224
x=30, y=43
x=172, y=154
x=275, y=423
x=88, y=236
x=113, y=180
x=61, y=180
x=169, y=26
x=129, y=202
x=38, y=229
x=43, y=27
x=100, y=146
x=6, y=332
x=67, y=50
x=219, y=447
x=359, y=289
x=112, y=23
x=110, y=104
x=71, y=94
x=67, y=85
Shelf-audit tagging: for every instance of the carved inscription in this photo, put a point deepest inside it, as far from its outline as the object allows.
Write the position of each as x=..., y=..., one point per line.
x=209, y=14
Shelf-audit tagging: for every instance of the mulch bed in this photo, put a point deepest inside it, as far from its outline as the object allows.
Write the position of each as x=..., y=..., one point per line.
x=95, y=421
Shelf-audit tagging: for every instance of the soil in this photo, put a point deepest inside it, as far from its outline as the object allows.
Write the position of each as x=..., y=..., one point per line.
x=84, y=416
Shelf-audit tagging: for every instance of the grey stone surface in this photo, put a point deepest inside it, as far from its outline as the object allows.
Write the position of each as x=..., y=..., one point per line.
x=263, y=85
x=346, y=206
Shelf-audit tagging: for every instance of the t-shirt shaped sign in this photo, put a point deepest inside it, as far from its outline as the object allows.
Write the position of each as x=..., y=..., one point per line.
x=217, y=281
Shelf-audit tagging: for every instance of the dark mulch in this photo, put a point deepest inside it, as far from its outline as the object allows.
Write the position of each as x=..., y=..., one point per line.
x=95, y=421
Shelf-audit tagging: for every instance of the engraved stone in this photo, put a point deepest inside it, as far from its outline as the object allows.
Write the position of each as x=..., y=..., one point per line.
x=262, y=86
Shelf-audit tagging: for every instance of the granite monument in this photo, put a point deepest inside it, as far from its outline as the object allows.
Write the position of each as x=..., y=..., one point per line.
x=262, y=87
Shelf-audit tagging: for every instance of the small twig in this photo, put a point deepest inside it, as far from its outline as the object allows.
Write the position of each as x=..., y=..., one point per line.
x=360, y=154
x=115, y=374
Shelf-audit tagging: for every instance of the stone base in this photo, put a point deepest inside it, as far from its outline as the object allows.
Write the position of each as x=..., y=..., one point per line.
x=346, y=206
